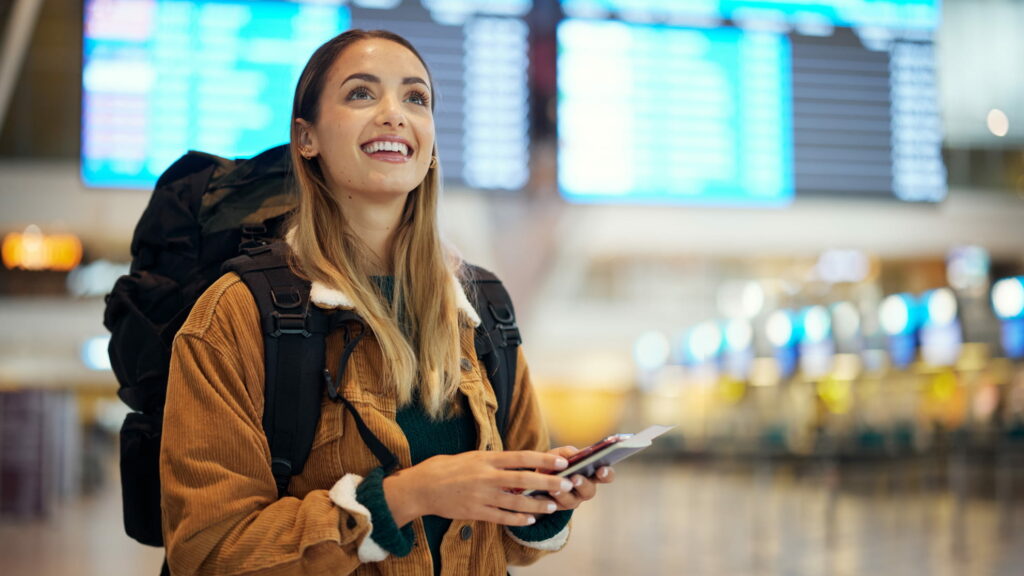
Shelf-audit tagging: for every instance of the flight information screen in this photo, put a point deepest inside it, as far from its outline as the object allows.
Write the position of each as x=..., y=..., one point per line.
x=748, y=102
x=161, y=77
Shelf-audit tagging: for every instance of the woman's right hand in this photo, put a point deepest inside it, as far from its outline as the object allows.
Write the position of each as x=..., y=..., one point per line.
x=476, y=486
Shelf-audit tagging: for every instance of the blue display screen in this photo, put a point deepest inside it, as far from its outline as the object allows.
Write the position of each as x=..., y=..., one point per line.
x=656, y=114
x=851, y=13
x=161, y=78
x=784, y=101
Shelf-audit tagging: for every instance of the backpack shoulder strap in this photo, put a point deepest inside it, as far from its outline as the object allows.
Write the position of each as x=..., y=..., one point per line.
x=294, y=334
x=497, y=337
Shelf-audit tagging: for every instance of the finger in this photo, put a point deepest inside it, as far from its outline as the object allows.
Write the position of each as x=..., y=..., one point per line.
x=564, y=451
x=528, y=459
x=585, y=488
x=605, y=475
x=525, y=480
x=507, y=518
x=526, y=504
x=566, y=500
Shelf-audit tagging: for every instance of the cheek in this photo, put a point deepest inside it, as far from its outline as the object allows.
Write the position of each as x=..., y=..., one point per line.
x=426, y=135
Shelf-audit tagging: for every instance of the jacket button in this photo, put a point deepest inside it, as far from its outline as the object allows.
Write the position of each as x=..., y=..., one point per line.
x=466, y=364
x=467, y=532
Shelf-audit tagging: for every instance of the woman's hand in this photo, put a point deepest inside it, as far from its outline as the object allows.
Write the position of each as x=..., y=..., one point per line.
x=583, y=488
x=478, y=486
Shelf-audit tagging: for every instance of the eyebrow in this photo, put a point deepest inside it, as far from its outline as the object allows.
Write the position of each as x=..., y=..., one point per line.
x=375, y=80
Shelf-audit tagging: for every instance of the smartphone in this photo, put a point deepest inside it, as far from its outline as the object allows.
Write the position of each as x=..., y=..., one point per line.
x=606, y=452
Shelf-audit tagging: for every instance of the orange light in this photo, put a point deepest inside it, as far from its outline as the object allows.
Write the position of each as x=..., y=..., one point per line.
x=33, y=250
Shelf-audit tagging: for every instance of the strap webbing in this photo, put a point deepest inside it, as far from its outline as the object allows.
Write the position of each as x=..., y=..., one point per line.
x=293, y=341
x=346, y=319
x=497, y=340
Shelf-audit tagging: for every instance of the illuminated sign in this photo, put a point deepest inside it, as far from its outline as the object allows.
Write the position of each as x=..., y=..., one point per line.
x=33, y=250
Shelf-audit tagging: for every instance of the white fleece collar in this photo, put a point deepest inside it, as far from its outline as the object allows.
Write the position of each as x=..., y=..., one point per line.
x=326, y=297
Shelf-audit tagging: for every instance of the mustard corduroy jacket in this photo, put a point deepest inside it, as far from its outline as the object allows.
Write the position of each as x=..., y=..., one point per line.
x=221, y=512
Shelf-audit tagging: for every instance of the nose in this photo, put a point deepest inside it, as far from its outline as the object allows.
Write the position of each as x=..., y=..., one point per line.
x=391, y=114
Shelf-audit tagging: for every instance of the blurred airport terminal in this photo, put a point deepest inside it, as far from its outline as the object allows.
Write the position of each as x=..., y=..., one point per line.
x=793, y=230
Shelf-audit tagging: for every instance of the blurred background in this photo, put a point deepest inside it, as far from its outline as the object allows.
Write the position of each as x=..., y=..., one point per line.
x=794, y=230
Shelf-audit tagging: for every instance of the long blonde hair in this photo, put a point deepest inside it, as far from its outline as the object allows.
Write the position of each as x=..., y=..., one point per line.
x=418, y=332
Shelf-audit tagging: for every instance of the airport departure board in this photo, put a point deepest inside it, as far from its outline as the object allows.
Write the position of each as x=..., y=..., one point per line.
x=161, y=77
x=748, y=102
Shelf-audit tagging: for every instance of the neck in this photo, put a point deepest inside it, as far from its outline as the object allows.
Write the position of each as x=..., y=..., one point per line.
x=375, y=224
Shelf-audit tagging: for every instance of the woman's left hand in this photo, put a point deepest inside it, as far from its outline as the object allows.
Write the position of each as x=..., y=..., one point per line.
x=584, y=488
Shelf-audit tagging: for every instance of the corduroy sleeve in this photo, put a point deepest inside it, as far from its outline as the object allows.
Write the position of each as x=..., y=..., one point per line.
x=221, y=513
x=527, y=431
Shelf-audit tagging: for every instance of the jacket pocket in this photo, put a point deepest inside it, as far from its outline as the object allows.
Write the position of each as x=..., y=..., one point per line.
x=331, y=425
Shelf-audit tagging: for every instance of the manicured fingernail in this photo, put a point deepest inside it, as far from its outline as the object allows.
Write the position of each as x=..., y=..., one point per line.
x=566, y=486
x=603, y=473
x=552, y=507
x=556, y=492
x=561, y=463
x=530, y=520
x=577, y=480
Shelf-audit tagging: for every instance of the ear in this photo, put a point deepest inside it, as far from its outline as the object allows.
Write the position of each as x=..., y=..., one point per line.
x=308, y=145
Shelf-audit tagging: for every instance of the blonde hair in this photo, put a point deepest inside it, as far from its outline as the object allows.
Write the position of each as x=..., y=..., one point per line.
x=418, y=332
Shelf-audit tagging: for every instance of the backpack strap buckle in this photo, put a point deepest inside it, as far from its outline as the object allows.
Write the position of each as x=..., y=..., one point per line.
x=282, y=470
x=510, y=335
x=284, y=323
x=286, y=298
x=505, y=325
x=253, y=236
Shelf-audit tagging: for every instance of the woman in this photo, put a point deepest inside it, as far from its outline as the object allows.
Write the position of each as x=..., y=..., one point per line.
x=365, y=234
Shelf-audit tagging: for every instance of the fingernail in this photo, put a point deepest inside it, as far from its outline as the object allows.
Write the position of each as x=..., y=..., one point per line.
x=561, y=463
x=530, y=520
x=603, y=473
x=577, y=480
x=556, y=493
x=566, y=486
x=552, y=507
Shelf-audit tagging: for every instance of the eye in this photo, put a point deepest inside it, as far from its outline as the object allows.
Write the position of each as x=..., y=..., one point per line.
x=359, y=93
x=418, y=98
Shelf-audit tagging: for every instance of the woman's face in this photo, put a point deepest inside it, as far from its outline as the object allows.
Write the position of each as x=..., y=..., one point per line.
x=375, y=134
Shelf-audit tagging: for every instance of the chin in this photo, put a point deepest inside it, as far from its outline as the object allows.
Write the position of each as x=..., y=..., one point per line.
x=396, y=186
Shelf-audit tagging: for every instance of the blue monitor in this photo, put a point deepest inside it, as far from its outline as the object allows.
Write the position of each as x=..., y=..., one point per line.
x=161, y=77
x=661, y=114
x=748, y=102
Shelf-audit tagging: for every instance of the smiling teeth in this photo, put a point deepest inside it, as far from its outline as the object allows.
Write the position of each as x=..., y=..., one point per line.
x=386, y=146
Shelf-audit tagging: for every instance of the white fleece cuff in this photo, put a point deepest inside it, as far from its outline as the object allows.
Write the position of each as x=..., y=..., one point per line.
x=553, y=544
x=343, y=494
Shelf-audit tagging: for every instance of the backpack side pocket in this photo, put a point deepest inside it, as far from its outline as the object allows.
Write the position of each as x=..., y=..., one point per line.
x=140, y=477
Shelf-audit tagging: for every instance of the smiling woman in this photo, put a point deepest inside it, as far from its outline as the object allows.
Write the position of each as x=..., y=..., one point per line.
x=365, y=236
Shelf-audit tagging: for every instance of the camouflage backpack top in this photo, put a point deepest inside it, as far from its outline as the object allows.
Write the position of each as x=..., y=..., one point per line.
x=203, y=211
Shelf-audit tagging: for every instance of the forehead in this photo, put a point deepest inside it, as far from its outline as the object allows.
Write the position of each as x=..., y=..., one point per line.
x=382, y=58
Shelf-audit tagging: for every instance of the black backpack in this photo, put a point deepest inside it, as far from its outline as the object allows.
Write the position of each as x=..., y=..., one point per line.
x=209, y=215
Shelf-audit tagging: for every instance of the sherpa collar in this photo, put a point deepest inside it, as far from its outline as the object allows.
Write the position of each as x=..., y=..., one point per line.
x=326, y=297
